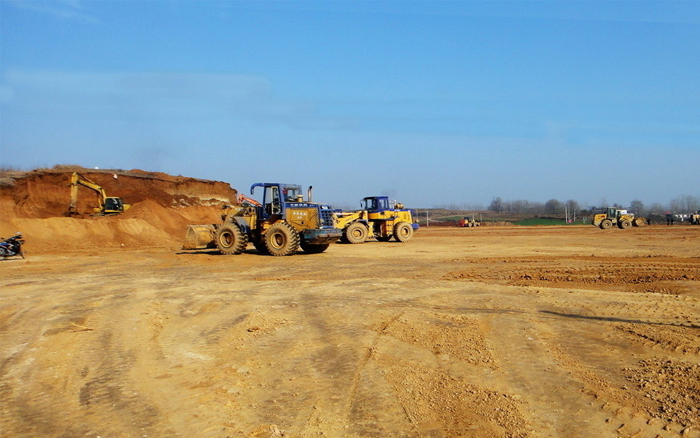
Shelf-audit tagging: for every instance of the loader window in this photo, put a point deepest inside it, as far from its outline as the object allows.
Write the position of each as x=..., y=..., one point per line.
x=272, y=200
x=292, y=194
x=113, y=204
x=369, y=204
x=383, y=203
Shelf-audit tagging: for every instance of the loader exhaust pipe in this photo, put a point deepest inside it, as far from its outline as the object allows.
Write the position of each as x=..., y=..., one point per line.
x=309, y=194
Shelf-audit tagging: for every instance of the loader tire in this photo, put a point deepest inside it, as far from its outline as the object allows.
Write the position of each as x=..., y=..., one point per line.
x=281, y=239
x=403, y=232
x=606, y=224
x=314, y=248
x=230, y=239
x=356, y=232
x=623, y=225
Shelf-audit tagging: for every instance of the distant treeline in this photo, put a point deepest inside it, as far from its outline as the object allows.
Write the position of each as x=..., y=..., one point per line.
x=555, y=208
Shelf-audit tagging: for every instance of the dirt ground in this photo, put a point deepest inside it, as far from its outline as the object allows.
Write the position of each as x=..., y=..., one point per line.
x=479, y=332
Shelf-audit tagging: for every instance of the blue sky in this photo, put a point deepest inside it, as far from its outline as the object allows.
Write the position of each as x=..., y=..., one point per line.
x=430, y=102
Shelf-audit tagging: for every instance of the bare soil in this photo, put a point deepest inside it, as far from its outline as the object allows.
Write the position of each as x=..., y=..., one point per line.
x=563, y=331
x=490, y=332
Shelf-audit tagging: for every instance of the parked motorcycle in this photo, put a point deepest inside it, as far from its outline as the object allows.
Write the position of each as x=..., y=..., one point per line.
x=12, y=246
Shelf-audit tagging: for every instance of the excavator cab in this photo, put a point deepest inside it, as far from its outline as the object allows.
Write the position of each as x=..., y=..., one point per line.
x=113, y=205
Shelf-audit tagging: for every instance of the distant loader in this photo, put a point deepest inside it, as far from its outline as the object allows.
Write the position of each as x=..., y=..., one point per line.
x=377, y=219
x=469, y=221
x=614, y=216
x=694, y=218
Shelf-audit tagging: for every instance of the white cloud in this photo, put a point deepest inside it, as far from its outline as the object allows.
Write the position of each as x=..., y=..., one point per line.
x=163, y=96
x=62, y=9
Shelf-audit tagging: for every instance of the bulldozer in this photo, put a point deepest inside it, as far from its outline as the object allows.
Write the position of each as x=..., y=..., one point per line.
x=107, y=205
x=379, y=219
x=277, y=226
x=469, y=221
x=613, y=216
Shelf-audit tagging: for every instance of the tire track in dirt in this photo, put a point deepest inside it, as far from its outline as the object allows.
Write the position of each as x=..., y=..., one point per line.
x=532, y=372
x=598, y=355
x=666, y=274
x=352, y=398
x=430, y=359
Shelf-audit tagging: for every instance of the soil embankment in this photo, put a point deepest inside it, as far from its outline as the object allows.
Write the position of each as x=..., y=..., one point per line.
x=35, y=203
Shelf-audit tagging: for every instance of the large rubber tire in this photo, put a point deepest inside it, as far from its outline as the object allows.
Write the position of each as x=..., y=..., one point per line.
x=623, y=225
x=606, y=224
x=281, y=239
x=230, y=240
x=356, y=232
x=314, y=248
x=403, y=232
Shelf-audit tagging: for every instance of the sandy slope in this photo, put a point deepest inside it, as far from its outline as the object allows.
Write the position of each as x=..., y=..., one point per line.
x=35, y=204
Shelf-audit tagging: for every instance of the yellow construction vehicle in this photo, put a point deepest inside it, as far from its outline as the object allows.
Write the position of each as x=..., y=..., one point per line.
x=277, y=226
x=614, y=216
x=694, y=218
x=469, y=221
x=377, y=219
x=106, y=204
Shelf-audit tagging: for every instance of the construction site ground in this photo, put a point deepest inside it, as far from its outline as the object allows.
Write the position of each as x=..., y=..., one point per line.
x=566, y=331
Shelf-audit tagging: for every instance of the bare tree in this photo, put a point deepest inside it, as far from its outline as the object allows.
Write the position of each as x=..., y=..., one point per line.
x=552, y=206
x=572, y=206
x=685, y=204
x=637, y=207
x=496, y=205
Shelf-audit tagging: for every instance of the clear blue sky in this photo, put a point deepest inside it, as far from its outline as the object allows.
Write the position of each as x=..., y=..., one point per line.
x=430, y=102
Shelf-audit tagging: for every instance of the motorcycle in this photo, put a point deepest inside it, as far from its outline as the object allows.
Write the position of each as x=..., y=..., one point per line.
x=12, y=246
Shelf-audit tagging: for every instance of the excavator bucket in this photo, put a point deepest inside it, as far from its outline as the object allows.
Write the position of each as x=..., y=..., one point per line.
x=200, y=237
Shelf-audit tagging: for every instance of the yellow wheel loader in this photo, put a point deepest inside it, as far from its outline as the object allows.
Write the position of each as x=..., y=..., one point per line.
x=278, y=226
x=694, y=218
x=469, y=221
x=377, y=219
x=616, y=217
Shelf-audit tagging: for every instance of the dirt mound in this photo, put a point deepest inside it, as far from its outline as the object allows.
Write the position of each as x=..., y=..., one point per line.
x=162, y=206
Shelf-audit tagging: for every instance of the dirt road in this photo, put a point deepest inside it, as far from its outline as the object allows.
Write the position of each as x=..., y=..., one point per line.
x=478, y=332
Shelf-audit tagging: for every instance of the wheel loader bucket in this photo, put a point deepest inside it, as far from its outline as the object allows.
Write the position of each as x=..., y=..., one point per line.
x=200, y=237
x=639, y=222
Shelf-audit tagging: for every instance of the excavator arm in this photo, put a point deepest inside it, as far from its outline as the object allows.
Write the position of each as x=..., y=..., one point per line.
x=78, y=180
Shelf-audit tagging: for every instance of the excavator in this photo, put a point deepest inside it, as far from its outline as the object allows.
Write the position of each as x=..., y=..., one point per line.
x=108, y=205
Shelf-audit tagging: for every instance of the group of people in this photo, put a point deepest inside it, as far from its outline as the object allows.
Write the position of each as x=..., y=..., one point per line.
x=669, y=218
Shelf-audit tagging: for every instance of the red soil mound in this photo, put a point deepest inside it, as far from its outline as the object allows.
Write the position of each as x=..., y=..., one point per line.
x=35, y=203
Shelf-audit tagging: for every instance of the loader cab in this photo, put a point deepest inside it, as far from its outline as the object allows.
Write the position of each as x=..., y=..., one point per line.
x=375, y=204
x=276, y=195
